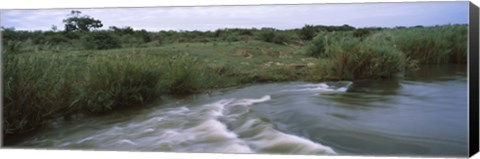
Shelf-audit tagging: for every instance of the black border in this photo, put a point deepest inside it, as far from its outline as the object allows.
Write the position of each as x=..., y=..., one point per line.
x=473, y=80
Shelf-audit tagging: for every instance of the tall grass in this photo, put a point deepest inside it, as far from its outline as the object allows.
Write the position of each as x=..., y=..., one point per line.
x=384, y=53
x=185, y=74
x=354, y=58
x=38, y=88
x=317, y=46
x=434, y=45
x=119, y=81
x=35, y=89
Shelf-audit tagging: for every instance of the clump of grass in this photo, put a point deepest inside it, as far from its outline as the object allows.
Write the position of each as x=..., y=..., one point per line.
x=318, y=45
x=184, y=75
x=434, y=45
x=36, y=89
x=120, y=81
x=353, y=58
x=266, y=34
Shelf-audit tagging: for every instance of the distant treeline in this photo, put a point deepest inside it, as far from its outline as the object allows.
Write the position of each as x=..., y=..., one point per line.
x=126, y=37
x=80, y=32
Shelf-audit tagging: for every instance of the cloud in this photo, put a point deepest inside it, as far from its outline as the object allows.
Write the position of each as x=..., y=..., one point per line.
x=277, y=16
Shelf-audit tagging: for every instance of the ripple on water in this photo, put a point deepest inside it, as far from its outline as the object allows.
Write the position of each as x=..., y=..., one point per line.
x=226, y=126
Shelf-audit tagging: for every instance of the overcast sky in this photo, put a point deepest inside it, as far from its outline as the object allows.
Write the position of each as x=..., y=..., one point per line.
x=277, y=16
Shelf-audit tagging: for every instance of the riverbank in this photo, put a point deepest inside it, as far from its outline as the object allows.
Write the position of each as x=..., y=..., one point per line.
x=44, y=86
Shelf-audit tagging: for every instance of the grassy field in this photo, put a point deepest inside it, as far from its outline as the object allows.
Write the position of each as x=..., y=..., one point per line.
x=44, y=81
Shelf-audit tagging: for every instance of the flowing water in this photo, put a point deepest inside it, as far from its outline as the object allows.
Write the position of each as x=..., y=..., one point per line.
x=424, y=113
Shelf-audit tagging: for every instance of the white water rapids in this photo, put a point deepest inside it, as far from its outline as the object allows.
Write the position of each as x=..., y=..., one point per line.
x=223, y=126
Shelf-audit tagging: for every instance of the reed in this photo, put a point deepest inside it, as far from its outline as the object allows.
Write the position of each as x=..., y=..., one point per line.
x=36, y=89
x=434, y=45
x=118, y=81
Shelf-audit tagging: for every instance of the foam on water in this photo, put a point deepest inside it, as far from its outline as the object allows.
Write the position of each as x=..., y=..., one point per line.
x=331, y=87
x=83, y=140
x=123, y=141
x=224, y=126
x=248, y=102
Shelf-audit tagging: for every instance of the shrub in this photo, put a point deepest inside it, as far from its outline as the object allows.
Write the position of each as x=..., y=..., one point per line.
x=144, y=35
x=100, y=40
x=245, y=32
x=57, y=39
x=72, y=35
x=281, y=38
x=317, y=46
x=231, y=38
x=308, y=32
x=361, y=33
x=266, y=35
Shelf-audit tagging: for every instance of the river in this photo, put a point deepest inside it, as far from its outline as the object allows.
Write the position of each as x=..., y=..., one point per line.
x=423, y=114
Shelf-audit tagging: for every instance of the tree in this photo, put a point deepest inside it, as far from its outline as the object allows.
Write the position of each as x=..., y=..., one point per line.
x=308, y=32
x=77, y=23
x=54, y=28
x=122, y=31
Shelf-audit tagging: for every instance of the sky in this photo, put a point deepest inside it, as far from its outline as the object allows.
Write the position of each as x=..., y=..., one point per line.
x=276, y=16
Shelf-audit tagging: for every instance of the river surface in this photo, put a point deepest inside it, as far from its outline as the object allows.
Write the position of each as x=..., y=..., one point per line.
x=423, y=114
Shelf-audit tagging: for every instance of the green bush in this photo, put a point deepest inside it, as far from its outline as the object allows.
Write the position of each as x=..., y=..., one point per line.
x=144, y=35
x=119, y=81
x=57, y=39
x=355, y=59
x=361, y=33
x=308, y=32
x=281, y=38
x=266, y=35
x=317, y=46
x=100, y=40
x=231, y=38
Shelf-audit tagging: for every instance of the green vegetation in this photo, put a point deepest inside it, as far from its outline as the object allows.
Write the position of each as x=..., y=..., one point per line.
x=100, y=40
x=119, y=81
x=383, y=53
x=35, y=89
x=77, y=23
x=444, y=44
x=374, y=57
x=52, y=74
